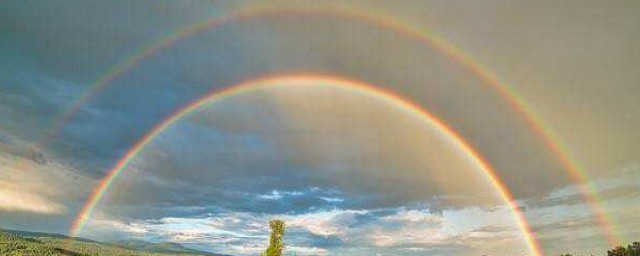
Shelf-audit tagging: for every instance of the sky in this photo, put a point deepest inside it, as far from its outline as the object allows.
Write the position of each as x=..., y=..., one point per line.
x=351, y=173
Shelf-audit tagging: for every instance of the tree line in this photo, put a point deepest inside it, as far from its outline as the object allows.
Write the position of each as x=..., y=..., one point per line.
x=632, y=249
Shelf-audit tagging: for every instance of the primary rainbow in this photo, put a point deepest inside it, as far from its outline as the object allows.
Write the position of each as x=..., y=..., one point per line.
x=301, y=80
x=536, y=123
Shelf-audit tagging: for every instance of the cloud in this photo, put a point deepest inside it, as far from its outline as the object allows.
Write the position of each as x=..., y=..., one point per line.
x=277, y=195
x=403, y=230
x=12, y=199
x=565, y=217
x=31, y=182
x=134, y=102
x=367, y=156
x=618, y=185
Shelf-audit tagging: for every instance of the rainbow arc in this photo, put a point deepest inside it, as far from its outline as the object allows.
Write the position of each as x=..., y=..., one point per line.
x=537, y=124
x=345, y=85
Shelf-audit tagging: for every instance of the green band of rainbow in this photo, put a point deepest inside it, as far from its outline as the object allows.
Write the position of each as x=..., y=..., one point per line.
x=300, y=80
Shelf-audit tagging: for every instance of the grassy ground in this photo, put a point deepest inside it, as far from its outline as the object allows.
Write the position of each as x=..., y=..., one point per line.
x=14, y=245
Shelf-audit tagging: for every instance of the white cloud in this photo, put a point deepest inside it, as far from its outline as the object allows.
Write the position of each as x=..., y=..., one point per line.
x=14, y=199
x=31, y=182
x=332, y=199
x=277, y=194
x=397, y=229
x=564, y=217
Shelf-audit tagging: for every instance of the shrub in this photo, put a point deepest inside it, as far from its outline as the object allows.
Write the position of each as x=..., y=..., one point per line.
x=276, y=246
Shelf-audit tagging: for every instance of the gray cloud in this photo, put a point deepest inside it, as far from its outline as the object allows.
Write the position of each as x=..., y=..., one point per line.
x=32, y=194
x=366, y=156
x=265, y=45
x=293, y=153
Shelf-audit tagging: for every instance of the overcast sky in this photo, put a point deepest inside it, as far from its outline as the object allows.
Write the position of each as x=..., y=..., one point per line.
x=350, y=173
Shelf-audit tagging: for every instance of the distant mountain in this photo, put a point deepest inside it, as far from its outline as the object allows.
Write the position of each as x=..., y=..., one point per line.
x=160, y=247
x=31, y=234
x=16, y=242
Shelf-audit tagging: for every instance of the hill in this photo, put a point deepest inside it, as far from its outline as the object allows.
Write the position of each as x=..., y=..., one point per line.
x=160, y=247
x=23, y=243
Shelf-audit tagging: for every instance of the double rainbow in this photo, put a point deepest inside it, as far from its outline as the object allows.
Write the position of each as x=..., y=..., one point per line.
x=545, y=132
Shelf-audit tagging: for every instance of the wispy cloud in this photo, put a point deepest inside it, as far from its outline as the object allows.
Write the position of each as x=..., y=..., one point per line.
x=321, y=232
x=31, y=181
x=14, y=199
x=277, y=195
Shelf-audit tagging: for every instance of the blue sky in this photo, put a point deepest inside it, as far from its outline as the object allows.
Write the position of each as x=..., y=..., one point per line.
x=350, y=174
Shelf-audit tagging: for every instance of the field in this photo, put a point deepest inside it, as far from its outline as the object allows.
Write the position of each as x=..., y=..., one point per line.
x=16, y=243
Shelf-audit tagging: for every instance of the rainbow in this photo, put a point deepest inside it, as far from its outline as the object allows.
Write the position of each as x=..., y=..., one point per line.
x=536, y=123
x=301, y=80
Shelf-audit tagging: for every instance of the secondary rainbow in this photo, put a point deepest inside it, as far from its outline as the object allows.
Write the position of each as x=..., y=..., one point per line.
x=536, y=123
x=300, y=80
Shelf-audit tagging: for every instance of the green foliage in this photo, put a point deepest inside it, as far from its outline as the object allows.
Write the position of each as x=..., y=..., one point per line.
x=276, y=245
x=14, y=245
x=631, y=250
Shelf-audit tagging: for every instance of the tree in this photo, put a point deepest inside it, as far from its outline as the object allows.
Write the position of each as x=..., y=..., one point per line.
x=631, y=250
x=617, y=251
x=276, y=246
